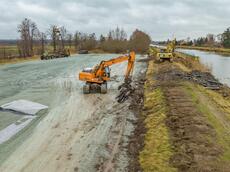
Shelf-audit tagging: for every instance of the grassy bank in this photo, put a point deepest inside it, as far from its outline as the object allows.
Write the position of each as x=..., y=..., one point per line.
x=210, y=49
x=187, y=125
x=157, y=151
x=191, y=62
x=18, y=60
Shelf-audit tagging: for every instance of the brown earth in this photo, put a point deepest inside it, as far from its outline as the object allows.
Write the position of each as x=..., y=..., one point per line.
x=136, y=141
x=134, y=91
x=192, y=136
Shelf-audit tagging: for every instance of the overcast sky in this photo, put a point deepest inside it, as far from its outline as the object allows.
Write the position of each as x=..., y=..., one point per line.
x=162, y=19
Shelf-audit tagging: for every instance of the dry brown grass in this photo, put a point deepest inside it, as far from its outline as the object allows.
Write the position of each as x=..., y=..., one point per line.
x=157, y=151
x=18, y=60
x=191, y=62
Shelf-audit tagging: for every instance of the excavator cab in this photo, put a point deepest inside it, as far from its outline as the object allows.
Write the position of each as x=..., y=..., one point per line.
x=107, y=71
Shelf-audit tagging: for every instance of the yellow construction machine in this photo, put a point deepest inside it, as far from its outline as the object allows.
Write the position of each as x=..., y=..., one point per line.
x=152, y=50
x=168, y=52
x=96, y=78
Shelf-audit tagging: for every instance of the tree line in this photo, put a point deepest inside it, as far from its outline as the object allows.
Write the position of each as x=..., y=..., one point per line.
x=34, y=42
x=221, y=40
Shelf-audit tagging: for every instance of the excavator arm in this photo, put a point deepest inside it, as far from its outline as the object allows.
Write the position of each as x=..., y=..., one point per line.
x=171, y=46
x=130, y=58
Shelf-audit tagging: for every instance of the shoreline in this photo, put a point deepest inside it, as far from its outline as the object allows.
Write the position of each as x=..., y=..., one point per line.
x=21, y=60
x=37, y=57
x=225, y=51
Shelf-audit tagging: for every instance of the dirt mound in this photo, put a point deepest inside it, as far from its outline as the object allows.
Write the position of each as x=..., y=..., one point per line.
x=125, y=90
x=131, y=89
x=205, y=79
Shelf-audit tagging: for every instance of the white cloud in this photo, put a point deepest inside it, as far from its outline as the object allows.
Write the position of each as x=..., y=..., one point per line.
x=32, y=9
x=160, y=18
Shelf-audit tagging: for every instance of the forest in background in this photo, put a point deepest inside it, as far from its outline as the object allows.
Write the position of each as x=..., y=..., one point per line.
x=35, y=42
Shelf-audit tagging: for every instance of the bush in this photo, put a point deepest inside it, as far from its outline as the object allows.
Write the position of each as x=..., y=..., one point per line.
x=139, y=41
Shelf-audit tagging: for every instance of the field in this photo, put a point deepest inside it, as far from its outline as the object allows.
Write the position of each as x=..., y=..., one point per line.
x=10, y=53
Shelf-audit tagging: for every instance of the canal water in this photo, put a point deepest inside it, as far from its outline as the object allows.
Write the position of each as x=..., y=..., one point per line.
x=219, y=64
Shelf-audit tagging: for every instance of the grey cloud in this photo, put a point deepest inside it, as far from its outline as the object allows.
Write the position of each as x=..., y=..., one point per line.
x=162, y=19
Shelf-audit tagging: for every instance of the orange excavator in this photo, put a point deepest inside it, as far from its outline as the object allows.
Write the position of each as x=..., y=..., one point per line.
x=96, y=78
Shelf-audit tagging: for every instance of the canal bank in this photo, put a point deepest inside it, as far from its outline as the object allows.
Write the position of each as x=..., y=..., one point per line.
x=217, y=63
x=208, y=49
x=186, y=124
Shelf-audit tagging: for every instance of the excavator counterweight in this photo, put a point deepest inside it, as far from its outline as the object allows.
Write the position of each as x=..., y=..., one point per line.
x=96, y=78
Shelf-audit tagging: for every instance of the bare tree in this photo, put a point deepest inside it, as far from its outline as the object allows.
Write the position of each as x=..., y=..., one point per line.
x=77, y=36
x=102, y=38
x=69, y=38
x=28, y=31
x=116, y=41
x=42, y=38
x=63, y=35
x=54, y=34
x=33, y=34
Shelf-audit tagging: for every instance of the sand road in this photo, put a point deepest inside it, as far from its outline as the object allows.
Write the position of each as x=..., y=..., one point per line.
x=79, y=132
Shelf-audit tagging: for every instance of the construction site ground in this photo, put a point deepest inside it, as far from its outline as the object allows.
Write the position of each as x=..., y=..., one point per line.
x=79, y=132
x=175, y=117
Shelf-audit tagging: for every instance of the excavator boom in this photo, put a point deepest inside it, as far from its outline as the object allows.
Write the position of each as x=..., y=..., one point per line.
x=130, y=58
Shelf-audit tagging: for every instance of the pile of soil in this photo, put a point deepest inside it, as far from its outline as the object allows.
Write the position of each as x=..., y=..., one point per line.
x=205, y=79
x=125, y=91
x=131, y=89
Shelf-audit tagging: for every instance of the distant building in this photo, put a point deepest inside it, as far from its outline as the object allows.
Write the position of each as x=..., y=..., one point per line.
x=210, y=38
